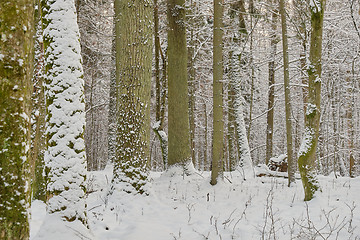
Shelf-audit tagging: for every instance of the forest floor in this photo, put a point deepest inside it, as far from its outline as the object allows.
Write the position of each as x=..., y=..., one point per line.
x=188, y=207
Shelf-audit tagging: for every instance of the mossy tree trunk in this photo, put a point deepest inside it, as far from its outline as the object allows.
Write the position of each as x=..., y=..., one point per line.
x=65, y=159
x=178, y=120
x=16, y=64
x=307, y=152
x=218, y=122
x=133, y=45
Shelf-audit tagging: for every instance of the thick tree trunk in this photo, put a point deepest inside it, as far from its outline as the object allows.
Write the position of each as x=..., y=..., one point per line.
x=133, y=80
x=218, y=122
x=178, y=120
x=16, y=63
x=65, y=156
x=307, y=152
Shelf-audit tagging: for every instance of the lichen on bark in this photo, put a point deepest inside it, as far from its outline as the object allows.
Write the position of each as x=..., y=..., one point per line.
x=16, y=57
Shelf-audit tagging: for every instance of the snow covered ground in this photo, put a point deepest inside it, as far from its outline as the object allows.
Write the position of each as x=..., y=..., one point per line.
x=188, y=207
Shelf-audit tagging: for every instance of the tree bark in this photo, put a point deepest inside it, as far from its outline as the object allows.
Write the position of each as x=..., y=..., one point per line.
x=350, y=125
x=218, y=123
x=133, y=80
x=307, y=152
x=271, y=97
x=38, y=145
x=289, y=140
x=16, y=64
x=65, y=155
x=178, y=120
x=192, y=74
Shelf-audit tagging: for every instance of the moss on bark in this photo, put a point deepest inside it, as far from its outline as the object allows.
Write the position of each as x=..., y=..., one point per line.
x=178, y=120
x=16, y=59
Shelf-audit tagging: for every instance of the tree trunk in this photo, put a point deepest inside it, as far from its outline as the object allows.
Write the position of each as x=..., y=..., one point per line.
x=251, y=63
x=289, y=145
x=350, y=125
x=307, y=152
x=218, y=123
x=133, y=80
x=231, y=135
x=112, y=101
x=192, y=73
x=38, y=145
x=178, y=120
x=16, y=64
x=206, y=161
x=238, y=9
x=65, y=155
x=271, y=97
x=157, y=61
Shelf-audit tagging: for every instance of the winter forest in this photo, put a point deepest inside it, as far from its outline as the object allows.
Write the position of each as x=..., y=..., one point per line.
x=179, y=119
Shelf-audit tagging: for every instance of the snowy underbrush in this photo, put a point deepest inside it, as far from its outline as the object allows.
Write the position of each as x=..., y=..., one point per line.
x=187, y=207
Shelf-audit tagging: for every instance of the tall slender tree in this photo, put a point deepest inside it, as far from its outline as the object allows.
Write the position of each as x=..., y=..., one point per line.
x=191, y=80
x=16, y=62
x=65, y=156
x=178, y=120
x=38, y=139
x=160, y=86
x=112, y=100
x=236, y=64
x=236, y=100
x=133, y=47
x=218, y=122
x=271, y=97
x=350, y=124
x=289, y=141
x=307, y=151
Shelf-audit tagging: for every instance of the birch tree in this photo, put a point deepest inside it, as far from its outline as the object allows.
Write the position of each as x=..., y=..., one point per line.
x=133, y=47
x=16, y=44
x=307, y=151
x=65, y=156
